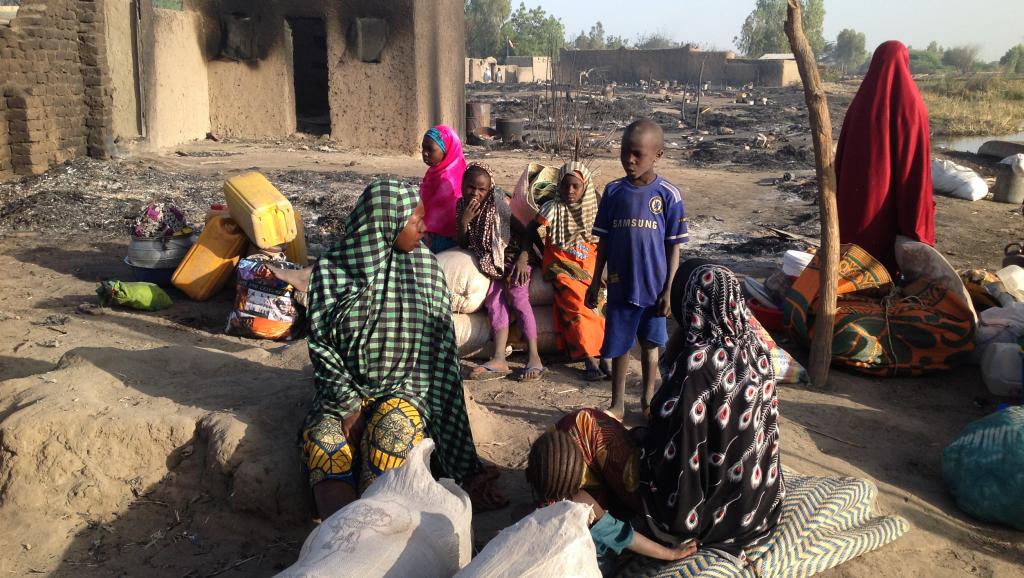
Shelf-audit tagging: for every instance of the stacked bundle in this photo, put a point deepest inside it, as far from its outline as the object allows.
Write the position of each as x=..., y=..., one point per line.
x=256, y=214
x=468, y=288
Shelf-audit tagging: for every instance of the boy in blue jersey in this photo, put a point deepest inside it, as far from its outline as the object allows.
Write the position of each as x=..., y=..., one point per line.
x=641, y=224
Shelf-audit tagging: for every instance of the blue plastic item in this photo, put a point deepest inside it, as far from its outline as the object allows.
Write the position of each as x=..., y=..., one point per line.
x=161, y=277
x=984, y=468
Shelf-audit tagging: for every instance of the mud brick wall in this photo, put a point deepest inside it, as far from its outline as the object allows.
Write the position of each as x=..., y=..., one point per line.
x=680, y=64
x=55, y=100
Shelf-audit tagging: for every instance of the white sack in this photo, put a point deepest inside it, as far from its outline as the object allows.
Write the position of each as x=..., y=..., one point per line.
x=951, y=179
x=541, y=291
x=1016, y=163
x=552, y=541
x=472, y=332
x=406, y=524
x=467, y=284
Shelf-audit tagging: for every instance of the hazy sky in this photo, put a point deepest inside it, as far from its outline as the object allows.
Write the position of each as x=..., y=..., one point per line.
x=995, y=25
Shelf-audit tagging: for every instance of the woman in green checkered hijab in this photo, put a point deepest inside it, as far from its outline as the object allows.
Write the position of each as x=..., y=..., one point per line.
x=381, y=330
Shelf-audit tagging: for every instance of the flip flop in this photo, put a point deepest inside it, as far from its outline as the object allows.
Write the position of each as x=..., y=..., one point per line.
x=540, y=373
x=593, y=374
x=484, y=373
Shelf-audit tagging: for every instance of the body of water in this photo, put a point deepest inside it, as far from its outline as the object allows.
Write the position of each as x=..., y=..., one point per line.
x=971, y=144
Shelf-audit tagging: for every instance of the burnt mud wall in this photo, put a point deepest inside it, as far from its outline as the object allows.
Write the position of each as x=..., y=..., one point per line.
x=383, y=105
x=56, y=99
x=679, y=64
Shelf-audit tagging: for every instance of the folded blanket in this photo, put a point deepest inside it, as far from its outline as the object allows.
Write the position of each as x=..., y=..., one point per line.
x=825, y=522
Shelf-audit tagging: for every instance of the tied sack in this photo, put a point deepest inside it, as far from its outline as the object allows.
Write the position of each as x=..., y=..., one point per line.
x=552, y=541
x=984, y=468
x=468, y=286
x=265, y=306
x=406, y=524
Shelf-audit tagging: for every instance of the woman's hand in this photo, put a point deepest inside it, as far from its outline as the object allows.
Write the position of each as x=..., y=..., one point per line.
x=521, y=271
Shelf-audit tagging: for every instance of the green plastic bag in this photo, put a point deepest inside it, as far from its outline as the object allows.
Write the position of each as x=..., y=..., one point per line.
x=143, y=296
x=984, y=468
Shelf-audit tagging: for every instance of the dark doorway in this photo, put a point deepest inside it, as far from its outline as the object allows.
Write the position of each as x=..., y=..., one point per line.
x=312, y=105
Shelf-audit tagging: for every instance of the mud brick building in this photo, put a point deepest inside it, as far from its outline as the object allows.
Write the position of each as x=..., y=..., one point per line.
x=678, y=64
x=99, y=77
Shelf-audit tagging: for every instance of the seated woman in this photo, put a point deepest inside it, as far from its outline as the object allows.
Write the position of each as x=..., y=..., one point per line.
x=707, y=465
x=442, y=185
x=570, y=256
x=386, y=368
x=486, y=228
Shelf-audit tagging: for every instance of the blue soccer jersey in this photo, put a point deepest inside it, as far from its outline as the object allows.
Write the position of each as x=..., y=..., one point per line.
x=637, y=224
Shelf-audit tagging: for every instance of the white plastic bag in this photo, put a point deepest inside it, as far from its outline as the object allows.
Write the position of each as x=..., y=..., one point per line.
x=406, y=524
x=552, y=541
x=467, y=284
x=999, y=325
x=951, y=179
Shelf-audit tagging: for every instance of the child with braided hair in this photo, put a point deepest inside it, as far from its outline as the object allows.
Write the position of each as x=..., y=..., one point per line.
x=590, y=458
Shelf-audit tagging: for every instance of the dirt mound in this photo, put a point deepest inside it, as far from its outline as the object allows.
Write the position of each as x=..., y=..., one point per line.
x=107, y=430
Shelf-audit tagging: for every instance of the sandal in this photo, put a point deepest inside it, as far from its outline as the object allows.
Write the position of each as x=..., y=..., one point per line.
x=532, y=373
x=594, y=374
x=484, y=373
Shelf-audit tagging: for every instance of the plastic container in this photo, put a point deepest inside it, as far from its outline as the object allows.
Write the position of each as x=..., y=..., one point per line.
x=161, y=277
x=212, y=260
x=162, y=253
x=1002, y=369
x=1013, y=281
x=297, y=251
x=260, y=210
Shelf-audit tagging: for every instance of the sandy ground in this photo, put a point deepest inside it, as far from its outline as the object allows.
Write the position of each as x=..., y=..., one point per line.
x=151, y=444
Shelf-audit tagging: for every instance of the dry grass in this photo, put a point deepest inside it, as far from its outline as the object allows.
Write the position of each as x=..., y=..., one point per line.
x=975, y=105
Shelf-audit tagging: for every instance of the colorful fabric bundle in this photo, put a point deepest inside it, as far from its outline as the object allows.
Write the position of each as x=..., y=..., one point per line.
x=265, y=307
x=158, y=220
x=882, y=330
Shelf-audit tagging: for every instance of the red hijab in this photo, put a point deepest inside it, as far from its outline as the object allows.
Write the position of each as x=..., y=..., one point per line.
x=883, y=162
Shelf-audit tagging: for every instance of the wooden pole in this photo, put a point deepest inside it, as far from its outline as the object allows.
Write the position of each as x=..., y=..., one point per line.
x=825, y=165
x=700, y=84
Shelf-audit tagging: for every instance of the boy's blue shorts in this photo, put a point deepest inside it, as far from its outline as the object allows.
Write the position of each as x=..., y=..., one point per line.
x=625, y=323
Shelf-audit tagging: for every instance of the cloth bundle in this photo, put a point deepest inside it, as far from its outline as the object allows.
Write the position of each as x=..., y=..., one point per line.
x=142, y=296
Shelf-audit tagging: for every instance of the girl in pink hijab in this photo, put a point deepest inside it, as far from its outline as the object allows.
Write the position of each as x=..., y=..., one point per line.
x=442, y=185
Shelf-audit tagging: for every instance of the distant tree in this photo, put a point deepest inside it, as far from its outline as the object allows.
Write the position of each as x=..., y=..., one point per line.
x=656, y=41
x=849, y=50
x=533, y=32
x=934, y=47
x=763, y=31
x=962, y=58
x=593, y=41
x=1013, y=60
x=615, y=42
x=484, y=19
x=925, y=62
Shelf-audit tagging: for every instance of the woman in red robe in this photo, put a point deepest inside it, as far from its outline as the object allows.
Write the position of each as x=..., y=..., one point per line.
x=883, y=162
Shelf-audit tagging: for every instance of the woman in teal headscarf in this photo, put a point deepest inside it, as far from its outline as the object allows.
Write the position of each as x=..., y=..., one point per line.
x=386, y=367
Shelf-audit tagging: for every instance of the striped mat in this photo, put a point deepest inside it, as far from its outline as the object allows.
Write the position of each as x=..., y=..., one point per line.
x=825, y=522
